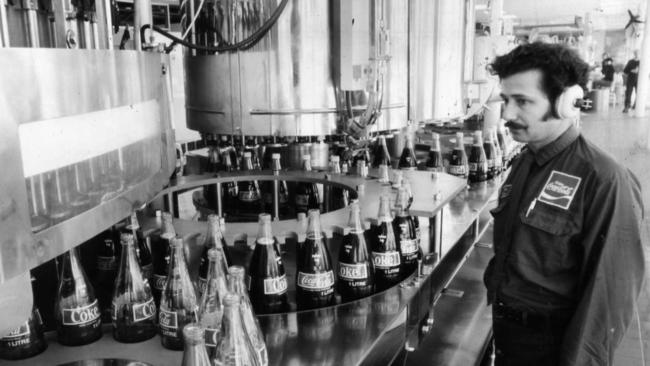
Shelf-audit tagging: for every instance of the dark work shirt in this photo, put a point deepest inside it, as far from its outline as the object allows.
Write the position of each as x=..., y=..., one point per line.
x=631, y=76
x=607, y=68
x=569, y=240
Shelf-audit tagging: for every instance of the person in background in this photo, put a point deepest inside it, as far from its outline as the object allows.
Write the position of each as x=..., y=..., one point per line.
x=607, y=69
x=631, y=72
x=568, y=261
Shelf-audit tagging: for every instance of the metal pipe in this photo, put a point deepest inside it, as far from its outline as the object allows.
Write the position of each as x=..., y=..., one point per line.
x=4, y=29
x=276, y=199
x=435, y=235
x=31, y=22
x=142, y=11
x=219, y=200
x=644, y=70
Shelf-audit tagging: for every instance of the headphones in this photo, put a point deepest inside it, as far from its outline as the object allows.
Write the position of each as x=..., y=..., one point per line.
x=567, y=104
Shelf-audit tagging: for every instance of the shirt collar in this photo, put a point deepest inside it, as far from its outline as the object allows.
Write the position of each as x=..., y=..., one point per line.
x=543, y=155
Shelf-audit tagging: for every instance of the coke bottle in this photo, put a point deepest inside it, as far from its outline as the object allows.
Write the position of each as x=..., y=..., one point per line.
x=458, y=161
x=141, y=249
x=235, y=347
x=339, y=197
x=407, y=160
x=106, y=270
x=315, y=277
x=237, y=286
x=268, y=188
x=213, y=239
x=134, y=310
x=356, y=273
x=178, y=304
x=504, y=145
x=76, y=309
x=435, y=162
x=252, y=146
x=26, y=340
x=227, y=147
x=385, y=249
x=382, y=157
x=498, y=152
x=211, y=305
x=194, y=352
x=490, y=155
x=306, y=196
x=362, y=155
x=405, y=233
x=160, y=252
x=268, y=278
x=249, y=190
x=478, y=166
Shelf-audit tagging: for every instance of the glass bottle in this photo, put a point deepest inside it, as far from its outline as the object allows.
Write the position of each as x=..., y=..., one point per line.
x=213, y=239
x=405, y=232
x=498, y=158
x=458, y=165
x=306, y=196
x=26, y=340
x=134, y=310
x=283, y=190
x=235, y=347
x=435, y=162
x=490, y=155
x=339, y=197
x=504, y=144
x=211, y=305
x=385, y=249
x=178, y=304
x=478, y=166
x=106, y=264
x=229, y=189
x=76, y=309
x=356, y=272
x=194, y=352
x=141, y=249
x=160, y=244
x=407, y=160
x=249, y=190
x=315, y=277
x=268, y=278
x=382, y=156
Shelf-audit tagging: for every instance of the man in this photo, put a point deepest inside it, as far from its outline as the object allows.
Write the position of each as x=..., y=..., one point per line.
x=568, y=263
x=631, y=72
x=607, y=69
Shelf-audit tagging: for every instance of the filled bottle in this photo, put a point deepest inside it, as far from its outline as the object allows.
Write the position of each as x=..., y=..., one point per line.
x=160, y=244
x=498, y=156
x=178, y=304
x=478, y=165
x=227, y=147
x=490, y=155
x=338, y=197
x=382, y=156
x=283, y=190
x=213, y=239
x=229, y=189
x=405, y=232
x=237, y=286
x=194, y=352
x=249, y=195
x=76, y=309
x=356, y=272
x=306, y=196
x=141, y=249
x=458, y=164
x=315, y=277
x=435, y=162
x=235, y=347
x=407, y=160
x=211, y=305
x=134, y=309
x=268, y=278
x=385, y=249
x=26, y=340
x=106, y=264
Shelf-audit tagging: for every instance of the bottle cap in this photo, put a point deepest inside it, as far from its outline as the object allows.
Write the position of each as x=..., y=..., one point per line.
x=177, y=242
x=275, y=156
x=247, y=154
x=213, y=219
x=193, y=332
x=126, y=238
x=264, y=217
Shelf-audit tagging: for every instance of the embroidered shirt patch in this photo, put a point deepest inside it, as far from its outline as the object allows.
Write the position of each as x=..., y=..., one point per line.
x=559, y=190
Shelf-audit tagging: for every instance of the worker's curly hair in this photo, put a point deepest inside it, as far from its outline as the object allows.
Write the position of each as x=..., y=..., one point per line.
x=561, y=66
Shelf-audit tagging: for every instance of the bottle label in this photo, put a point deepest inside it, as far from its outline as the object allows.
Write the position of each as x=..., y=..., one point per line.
x=302, y=199
x=353, y=271
x=82, y=315
x=159, y=282
x=211, y=337
x=457, y=169
x=248, y=196
x=144, y=311
x=409, y=246
x=473, y=167
x=17, y=337
x=316, y=281
x=275, y=285
x=106, y=264
x=385, y=260
x=168, y=321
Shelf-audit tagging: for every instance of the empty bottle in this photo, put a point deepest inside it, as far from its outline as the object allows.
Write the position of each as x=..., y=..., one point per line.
x=76, y=309
x=235, y=347
x=134, y=309
x=385, y=249
x=213, y=239
x=178, y=304
x=407, y=160
x=435, y=162
x=141, y=249
x=194, y=352
x=405, y=232
x=268, y=278
x=490, y=155
x=315, y=277
x=211, y=305
x=237, y=286
x=478, y=166
x=249, y=195
x=382, y=156
x=306, y=196
x=458, y=164
x=356, y=272
x=160, y=244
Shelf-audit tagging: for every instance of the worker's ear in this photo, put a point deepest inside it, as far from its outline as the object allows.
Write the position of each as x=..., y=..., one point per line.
x=567, y=105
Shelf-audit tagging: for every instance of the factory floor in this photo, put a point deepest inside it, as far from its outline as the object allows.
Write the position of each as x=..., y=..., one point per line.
x=626, y=138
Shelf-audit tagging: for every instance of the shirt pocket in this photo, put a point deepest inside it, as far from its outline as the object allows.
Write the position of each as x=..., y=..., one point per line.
x=554, y=222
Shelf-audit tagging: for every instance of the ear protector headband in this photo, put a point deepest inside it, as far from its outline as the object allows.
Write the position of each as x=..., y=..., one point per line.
x=567, y=105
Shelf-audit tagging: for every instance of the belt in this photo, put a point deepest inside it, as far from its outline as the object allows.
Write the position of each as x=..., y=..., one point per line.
x=554, y=320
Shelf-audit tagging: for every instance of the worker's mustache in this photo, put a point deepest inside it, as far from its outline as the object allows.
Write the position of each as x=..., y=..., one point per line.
x=514, y=125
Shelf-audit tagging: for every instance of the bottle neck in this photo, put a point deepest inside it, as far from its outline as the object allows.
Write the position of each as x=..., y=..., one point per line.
x=313, y=228
x=71, y=268
x=232, y=325
x=435, y=144
x=168, y=230
x=236, y=285
x=177, y=258
x=355, y=224
x=384, y=211
x=265, y=234
x=460, y=145
x=306, y=165
x=213, y=239
x=248, y=164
